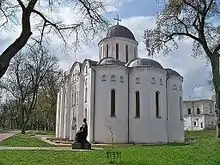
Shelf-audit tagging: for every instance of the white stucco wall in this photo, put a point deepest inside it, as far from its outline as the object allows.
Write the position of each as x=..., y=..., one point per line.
x=119, y=123
x=122, y=42
x=175, y=110
x=148, y=128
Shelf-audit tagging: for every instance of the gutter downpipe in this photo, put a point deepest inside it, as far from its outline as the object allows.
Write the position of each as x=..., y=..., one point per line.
x=167, y=77
x=93, y=123
x=128, y=104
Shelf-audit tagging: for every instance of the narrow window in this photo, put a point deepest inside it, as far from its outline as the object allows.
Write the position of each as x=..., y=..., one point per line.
x=137, y=104
x=74, y=98
x=121, y=79
x=117, y=53
x=194, y=123
x=86, y=69
x=153, y=80
x=137, y=80
x=198, y=111
x=112, y=103
x=157, y=104
x=180, y=108
x=189, y=111
x=86, y=89
x=113, y=78
x=107, y=47
x=85, y=115
x=103, y=77
x=126, y=51
x=201, y=125
x=100, y=56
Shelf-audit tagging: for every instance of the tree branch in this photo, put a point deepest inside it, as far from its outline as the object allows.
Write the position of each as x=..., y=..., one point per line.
x=184, y=34
x=216, y=49
x=21, y=4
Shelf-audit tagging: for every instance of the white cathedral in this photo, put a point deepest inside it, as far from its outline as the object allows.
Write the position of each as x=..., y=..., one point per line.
x=122, y=96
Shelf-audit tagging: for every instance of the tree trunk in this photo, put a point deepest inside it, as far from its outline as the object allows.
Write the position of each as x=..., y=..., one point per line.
x=22, y=119
x=216, y=82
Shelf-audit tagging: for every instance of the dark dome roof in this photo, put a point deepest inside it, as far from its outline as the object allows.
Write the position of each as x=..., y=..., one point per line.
x=119, y=31
x=110, y=61
x=144, y=62
x=172, y=72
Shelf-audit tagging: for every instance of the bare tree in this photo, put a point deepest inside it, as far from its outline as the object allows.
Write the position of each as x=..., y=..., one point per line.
x=24, y=79
x=109, y=127
x=190, y=19
x=35, y=18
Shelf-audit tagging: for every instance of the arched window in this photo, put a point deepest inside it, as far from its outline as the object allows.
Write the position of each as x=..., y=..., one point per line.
x=117, y=51
x=121, y=79
x=138, y=80
x=153, y=80
x=157, y=102
x=198, y=111
x=86, y=69
x=85, y=115
x=107, y=47
x=126, y=52
x=75, y=98
x=103, y=77
x=189, y=111
x=161, y=82
x=86, y=91
x=112, y=103
x=180, y=108
x=113, y=78
x=72, y=99
x=137, y=94
x=100, y=55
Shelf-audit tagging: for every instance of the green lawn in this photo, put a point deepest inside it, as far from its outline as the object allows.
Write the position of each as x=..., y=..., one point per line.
x=25, y=140
x=201, y=134
x=206, y=151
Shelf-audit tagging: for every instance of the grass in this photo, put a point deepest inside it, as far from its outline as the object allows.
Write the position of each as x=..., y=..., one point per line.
x=24, y=140
x=201, y=134
x=206, y=151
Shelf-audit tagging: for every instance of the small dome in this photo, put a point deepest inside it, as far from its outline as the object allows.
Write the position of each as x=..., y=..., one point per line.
x=110, y=61
x=144, y=62
x=172, y=72
x=119, y=31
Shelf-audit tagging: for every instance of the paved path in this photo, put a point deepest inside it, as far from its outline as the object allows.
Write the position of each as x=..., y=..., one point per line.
x=48, y=148
x=4, y=136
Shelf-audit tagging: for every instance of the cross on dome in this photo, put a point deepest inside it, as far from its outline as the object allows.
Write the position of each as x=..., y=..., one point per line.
x=117, y=19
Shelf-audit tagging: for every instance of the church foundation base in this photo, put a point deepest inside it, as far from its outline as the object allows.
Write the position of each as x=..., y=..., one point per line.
x=76, y=145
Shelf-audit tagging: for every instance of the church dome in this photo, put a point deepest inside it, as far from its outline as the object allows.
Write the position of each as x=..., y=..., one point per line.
x=110, y=61
x=119, y=31
x=144, y=62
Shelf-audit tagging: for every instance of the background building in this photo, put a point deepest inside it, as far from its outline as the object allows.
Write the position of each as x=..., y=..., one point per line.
x=199, y=114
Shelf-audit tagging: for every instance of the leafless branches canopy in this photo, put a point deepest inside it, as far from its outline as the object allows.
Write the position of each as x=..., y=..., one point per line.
x=25, y=78
x=35, y=18
x=180, y=19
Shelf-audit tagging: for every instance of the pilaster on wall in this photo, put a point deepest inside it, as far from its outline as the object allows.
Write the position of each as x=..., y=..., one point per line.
x=58, y=115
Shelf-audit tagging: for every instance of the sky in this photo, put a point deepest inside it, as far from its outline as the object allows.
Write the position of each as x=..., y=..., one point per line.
x=139, y=16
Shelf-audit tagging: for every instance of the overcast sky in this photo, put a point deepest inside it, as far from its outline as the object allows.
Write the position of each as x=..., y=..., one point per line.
x=138, y=16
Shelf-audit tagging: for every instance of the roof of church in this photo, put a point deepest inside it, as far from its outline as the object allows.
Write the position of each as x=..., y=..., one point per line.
x=172, y=72
x=110, y=61
x=144, y=62
x=119, y=31
x=91, y=62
